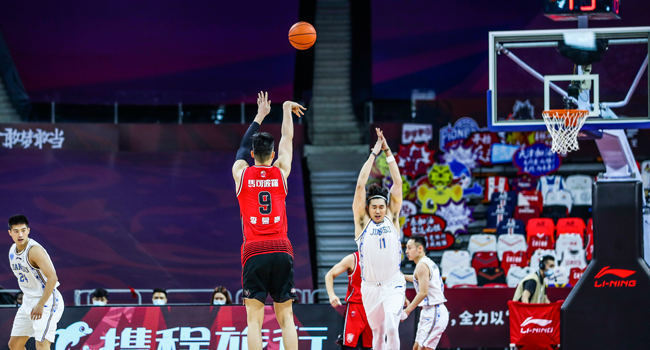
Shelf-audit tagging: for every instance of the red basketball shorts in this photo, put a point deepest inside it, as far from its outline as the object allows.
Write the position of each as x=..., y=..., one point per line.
x=356, y=326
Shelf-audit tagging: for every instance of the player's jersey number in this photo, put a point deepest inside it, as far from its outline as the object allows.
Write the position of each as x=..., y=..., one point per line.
x=264, y=198
x=23, y=278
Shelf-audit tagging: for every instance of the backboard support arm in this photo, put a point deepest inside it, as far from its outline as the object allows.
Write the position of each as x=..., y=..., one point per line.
x=617, y=155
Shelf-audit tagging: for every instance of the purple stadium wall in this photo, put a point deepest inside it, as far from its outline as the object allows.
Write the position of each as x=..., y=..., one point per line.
x=121, y=206
x=152, y=52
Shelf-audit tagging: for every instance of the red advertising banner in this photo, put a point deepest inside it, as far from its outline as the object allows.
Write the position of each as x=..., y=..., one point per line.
x=535, y=324
x=203, y=327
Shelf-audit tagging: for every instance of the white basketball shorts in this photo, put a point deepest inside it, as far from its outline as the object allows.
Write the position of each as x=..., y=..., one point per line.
x=383, y=302
x=43, y=328
x=433, y=321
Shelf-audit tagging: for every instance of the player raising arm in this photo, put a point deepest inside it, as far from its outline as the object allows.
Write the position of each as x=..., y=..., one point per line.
x=267, y=254
x=377, y=233
x=363, y=210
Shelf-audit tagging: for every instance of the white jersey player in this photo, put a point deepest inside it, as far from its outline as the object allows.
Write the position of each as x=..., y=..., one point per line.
x=376, y=219
x=42, y=305
x=430, y=296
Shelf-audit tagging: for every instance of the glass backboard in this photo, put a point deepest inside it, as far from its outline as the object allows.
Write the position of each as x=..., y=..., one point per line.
x=602, y=70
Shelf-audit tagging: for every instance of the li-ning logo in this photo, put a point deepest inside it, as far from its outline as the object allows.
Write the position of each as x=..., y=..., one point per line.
x=542, y=323
x=538, y=321
x=615, y=283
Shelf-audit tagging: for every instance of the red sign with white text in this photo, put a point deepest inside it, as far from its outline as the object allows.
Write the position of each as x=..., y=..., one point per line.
x=432, y=228
x=535, y=324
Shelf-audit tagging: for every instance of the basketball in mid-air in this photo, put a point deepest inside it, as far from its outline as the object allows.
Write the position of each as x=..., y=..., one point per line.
x=302, y=35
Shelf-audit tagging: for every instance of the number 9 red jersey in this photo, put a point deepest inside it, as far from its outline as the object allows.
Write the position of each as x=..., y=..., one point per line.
x=261, y=194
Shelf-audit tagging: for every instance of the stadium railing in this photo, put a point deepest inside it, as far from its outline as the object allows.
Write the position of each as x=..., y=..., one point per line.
x=306, y=296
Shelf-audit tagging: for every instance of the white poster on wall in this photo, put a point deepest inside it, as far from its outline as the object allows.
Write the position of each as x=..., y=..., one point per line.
x=416, y=133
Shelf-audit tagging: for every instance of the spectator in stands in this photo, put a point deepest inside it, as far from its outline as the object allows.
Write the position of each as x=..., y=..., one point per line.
x=220, y=296
x=19, y=299
x=100, y=297
x=532, y=289
x=159, y=296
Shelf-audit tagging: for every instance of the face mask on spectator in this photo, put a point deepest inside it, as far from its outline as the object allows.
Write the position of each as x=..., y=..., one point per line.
x=159, y=302
x=99, y=303
x=219, y=302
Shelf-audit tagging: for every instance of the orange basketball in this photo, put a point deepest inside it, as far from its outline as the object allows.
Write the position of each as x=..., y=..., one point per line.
x=302, y=35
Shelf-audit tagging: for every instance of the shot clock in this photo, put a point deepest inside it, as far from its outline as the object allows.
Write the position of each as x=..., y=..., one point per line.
x=570, y=10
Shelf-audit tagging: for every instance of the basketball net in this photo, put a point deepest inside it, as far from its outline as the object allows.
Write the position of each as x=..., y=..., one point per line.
x=564, y=125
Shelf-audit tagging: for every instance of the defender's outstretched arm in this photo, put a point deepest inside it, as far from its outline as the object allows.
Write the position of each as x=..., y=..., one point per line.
x=395, y=203
x=359, y=202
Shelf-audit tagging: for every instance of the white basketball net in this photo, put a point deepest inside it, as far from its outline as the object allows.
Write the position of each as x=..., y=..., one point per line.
x=564, y=125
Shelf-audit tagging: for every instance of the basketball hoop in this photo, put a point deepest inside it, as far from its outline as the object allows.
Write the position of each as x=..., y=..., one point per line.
x=564, y=125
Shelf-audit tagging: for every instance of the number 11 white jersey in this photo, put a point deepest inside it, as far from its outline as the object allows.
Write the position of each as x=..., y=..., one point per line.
x=380, y=251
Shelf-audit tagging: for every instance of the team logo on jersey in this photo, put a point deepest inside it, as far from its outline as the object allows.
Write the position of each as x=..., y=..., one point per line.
x=293, y=291
x=69, y=337
x=353, y=314
x=350, y=337
x=615, y=283
x=11, y=256
x=247, y=293
x=263, y=173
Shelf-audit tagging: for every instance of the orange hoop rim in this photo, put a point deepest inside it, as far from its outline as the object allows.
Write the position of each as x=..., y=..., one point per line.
x=571, y=116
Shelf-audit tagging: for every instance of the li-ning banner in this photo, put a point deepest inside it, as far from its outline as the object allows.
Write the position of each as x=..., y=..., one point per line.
x=535, y=324
x=190, y=328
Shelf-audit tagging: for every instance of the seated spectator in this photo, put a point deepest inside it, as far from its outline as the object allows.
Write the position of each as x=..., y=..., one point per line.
x=220, y=296
x=159, y=296
x=19, y=299
x=100, y=297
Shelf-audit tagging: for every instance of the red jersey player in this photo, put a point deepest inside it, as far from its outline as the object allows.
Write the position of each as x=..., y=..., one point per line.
x=356, y=330
x=267, y=255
